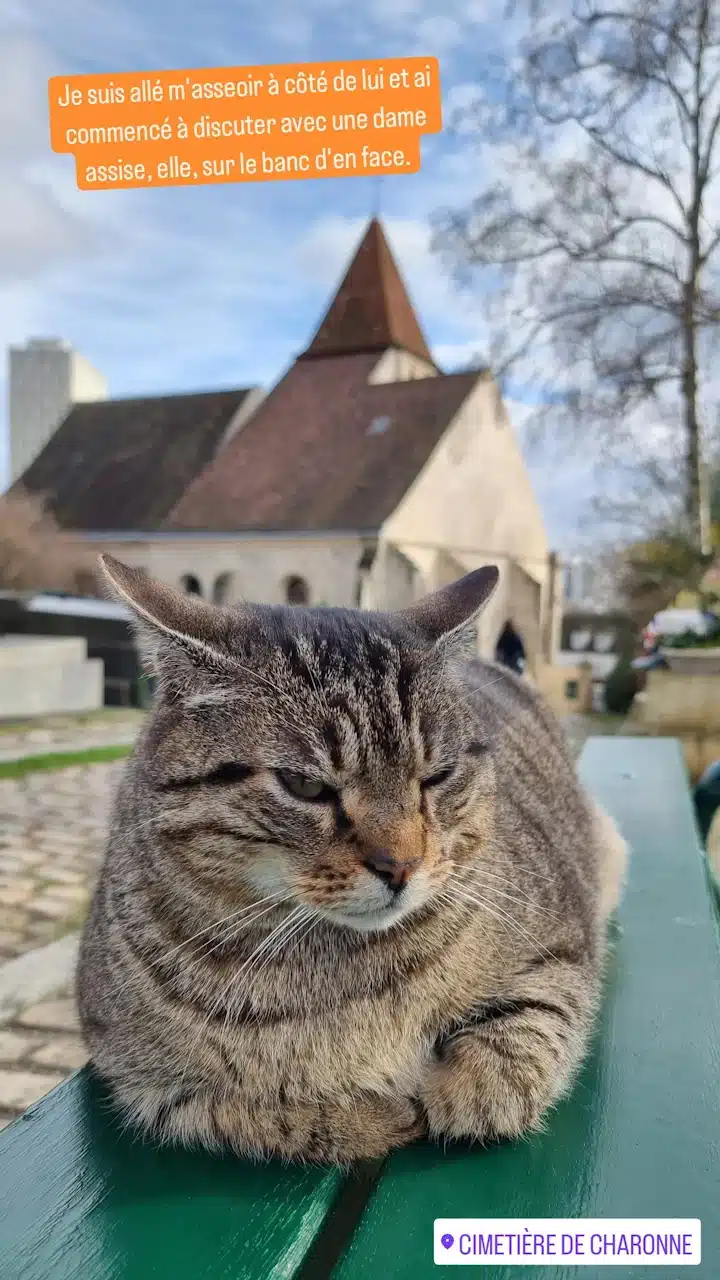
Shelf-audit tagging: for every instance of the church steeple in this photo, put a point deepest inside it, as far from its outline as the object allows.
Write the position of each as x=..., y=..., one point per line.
x=371, y=310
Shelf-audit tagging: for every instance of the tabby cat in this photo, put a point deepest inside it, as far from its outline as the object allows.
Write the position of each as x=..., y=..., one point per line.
x=353, y=891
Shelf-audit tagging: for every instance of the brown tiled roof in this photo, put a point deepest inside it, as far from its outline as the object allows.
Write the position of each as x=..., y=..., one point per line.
x=123, y=464
x=371, y=310
x=325, y=450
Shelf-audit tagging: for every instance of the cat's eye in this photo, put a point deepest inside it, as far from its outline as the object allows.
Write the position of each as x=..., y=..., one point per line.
x=304, y=788
x=229, y=772
x=437, y=779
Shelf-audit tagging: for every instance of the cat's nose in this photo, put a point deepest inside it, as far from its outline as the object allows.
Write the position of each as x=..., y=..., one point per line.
x=392, y=871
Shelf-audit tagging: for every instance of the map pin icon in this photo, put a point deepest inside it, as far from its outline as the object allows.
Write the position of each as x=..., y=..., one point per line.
x=447, y=1242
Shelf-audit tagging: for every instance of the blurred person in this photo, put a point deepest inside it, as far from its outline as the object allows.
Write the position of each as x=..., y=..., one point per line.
x=510, y=650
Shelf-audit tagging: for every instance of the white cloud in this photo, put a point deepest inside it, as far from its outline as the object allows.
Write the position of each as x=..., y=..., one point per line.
x=176, y=289
x=458, y=355
x=437, y=34
x=458, y=99
x=37, y=228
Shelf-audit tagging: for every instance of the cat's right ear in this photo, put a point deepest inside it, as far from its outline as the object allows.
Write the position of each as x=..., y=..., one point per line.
x=448, y=612
x=166, y=620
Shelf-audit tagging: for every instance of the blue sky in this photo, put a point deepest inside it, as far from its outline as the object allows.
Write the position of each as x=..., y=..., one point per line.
x=195, y=288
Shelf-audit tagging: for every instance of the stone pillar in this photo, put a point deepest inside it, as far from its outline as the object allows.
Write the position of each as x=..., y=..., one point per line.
x=553, y=608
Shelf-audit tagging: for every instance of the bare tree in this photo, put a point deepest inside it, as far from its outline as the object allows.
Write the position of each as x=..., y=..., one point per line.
x=35, y=555
x=600, y=231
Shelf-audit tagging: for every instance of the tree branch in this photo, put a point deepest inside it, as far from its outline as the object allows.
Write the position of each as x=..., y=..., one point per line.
x=598, y=276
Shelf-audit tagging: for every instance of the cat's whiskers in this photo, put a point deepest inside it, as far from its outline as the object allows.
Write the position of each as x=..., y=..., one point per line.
x=221, y=998
x=524, y=900
x=502, y=915
x=302, y=929
x=216, y=924
x=507, y=923
x=455, y=897
x=265, y=953
x=536, y=875
x=451, y=901
x=307, y=914
x=239, y=927
x=467, y=877
x=306, y=928
x=306, y=934
x=266, y=944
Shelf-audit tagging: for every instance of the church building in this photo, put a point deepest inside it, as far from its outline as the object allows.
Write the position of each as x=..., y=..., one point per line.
x=366, y=476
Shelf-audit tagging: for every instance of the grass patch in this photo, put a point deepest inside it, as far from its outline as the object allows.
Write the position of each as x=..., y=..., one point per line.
x=73, y=719
x=61, y=760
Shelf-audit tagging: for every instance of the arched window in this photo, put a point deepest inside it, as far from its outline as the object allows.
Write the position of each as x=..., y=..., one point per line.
x=190, y=584
x=221, y=588
x=296, y=590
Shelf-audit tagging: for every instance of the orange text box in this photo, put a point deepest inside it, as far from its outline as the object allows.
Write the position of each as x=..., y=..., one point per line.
x=246, y=124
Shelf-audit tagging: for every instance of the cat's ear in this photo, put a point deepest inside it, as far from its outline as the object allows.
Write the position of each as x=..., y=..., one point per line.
x=454, y=607
x=166, y=617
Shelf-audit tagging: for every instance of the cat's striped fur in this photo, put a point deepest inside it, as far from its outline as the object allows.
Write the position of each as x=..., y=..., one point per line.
x=416, y=949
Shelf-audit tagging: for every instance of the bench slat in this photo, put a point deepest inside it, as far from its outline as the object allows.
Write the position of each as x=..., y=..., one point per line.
x=79, y=1201
x=640, y=1136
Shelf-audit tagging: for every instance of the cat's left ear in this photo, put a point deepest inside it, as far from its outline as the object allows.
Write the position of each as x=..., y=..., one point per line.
x=168, y=622
x=454, y=607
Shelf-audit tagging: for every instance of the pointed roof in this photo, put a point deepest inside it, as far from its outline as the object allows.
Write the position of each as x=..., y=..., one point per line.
x=371, y=310
x=327, y=450
x=124, y=464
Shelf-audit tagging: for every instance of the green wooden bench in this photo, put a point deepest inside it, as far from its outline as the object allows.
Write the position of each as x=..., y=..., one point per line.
x=639, y=1138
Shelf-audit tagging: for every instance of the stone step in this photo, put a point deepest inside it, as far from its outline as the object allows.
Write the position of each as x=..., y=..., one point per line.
x=51, y=687
x=20, y=653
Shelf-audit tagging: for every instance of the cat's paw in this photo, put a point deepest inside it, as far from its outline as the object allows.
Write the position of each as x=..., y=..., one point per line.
x=365, y=1129
x=477, y=1092
x=325, y=1131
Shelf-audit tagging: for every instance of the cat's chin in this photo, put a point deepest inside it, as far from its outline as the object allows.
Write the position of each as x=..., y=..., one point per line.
x=373, y=921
